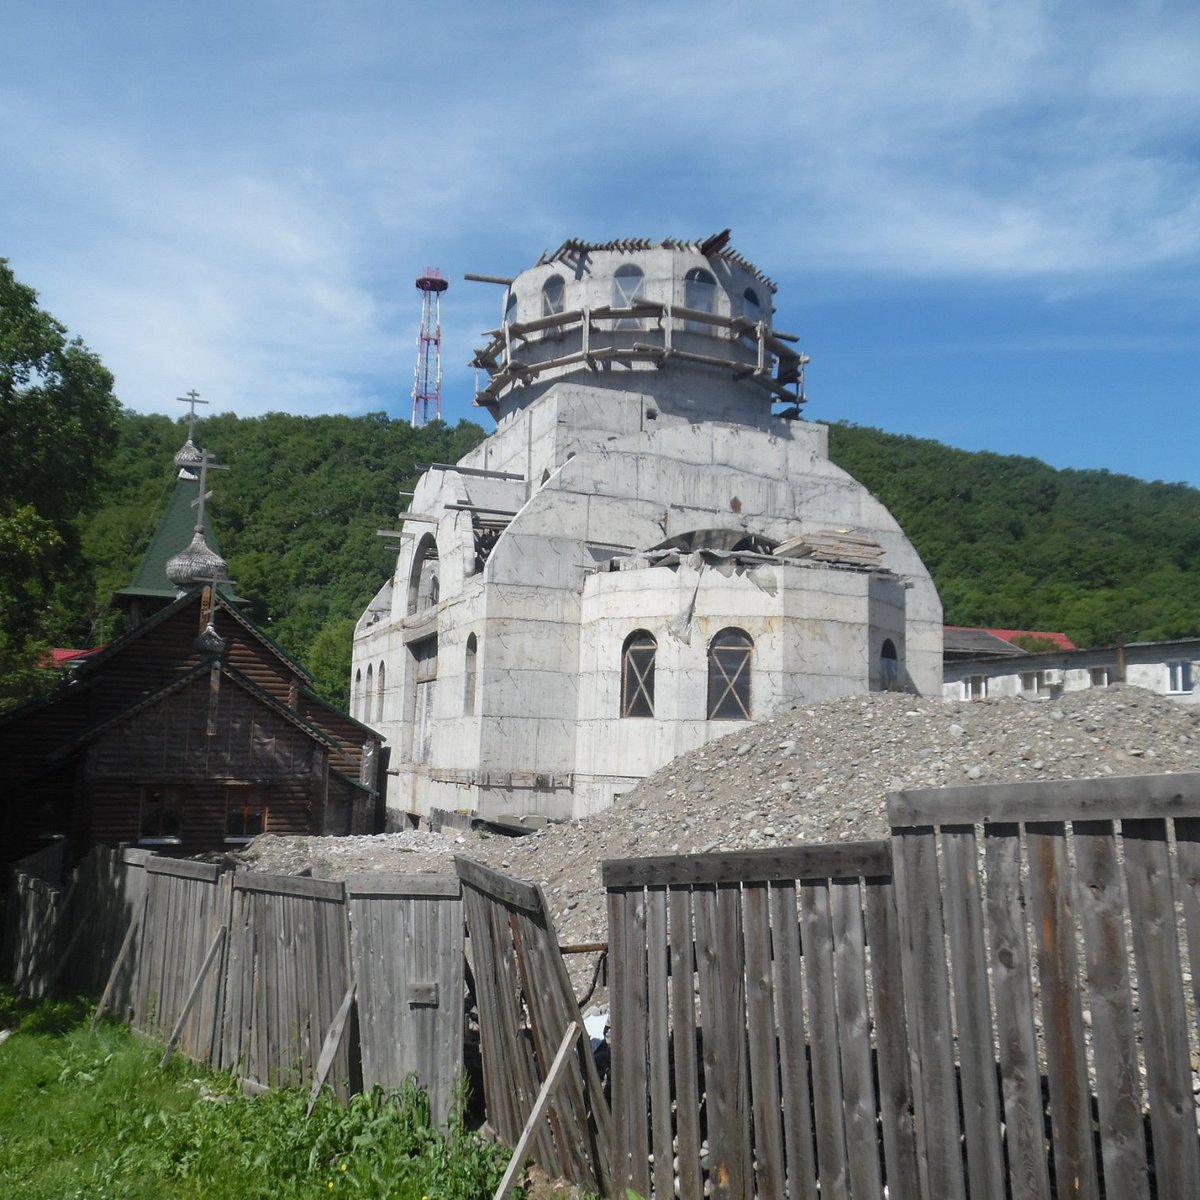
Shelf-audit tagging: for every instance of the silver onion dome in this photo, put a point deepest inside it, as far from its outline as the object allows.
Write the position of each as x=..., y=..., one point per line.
x=198, y=563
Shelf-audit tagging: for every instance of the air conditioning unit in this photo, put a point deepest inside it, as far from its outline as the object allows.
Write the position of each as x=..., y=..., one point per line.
x=1053, y=677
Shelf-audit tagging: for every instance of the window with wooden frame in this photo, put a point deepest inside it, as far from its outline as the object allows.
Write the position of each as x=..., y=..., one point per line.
x=730, y=659
x=245, y=812
x=637, y=674
x=160, y=821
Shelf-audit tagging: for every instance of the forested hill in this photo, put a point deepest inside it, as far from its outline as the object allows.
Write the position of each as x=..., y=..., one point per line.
x=1011, y=542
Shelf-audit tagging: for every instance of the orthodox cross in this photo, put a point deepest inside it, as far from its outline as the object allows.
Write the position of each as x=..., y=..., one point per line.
x=207, y=463
x=192, y=398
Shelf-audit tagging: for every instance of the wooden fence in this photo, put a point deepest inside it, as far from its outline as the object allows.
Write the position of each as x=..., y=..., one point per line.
x=1000, y=1002
x=529, y=1024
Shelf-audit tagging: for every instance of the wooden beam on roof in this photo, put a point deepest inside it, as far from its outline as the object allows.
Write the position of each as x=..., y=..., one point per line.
x=470, y=277
x=476, y=508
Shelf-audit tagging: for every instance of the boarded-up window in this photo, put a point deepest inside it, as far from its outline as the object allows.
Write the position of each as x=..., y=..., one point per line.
x=637, y=674
x=425, y=657
x=161, y=815
x=730, y=656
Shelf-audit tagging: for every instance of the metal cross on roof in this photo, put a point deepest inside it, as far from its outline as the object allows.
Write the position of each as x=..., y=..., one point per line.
x=207, y=463
x=192, y=398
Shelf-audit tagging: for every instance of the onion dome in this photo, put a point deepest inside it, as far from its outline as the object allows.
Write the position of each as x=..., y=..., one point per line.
x=188, y=459
x=196, y=564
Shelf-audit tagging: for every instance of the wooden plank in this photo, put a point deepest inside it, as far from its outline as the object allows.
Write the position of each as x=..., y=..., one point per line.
x=828, y=1103
x=289, y=885
x=927, y=1007
x=764, y=1053
x=1062, y=1015
x=963, y=903
x=658, y=1035
x=193, y=994
x=850, y=859
x=683, y=1024
x=184, y=868
x=516, y=893
x=628, y=1020
x=127, y=942
x=854, y=1036
x=1187, y=854
x=554, y=1076
x=1020, y=1071
x=403, y=885
x=1115, y=1058
x=329, y=1049
x=1107, y=799
x=896, y=1103
x=1160, y=1001
x=793, y=1043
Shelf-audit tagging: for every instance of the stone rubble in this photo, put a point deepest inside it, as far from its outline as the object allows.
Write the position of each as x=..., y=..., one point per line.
x=817, y=773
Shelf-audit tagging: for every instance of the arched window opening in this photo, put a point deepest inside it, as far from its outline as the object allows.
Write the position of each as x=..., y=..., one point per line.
x=700, y=290
x=730, y=655
x=356, y=697
x=510, y=308
x=368, y=692
x=552, y=296
x=470, y=676
x=423, y=579
x=889, y=667
x=379, y=693
x=751, y=305
x=637, y=674
x=628, y=285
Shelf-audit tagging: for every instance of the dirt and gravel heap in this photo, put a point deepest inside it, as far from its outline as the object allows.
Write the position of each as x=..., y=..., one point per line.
x=818, y=773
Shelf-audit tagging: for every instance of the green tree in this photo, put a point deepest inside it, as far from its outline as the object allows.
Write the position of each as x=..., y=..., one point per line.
x=59, y=420
x=328, y=659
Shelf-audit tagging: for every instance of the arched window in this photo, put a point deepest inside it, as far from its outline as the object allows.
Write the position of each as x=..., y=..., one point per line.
x=628, y=282
x=637, y=674
x=368, y=693
x=730, y=655
x=552, y=296
x=356, y=696
x=470, y=676
x=751, y=305
x=510, y=308
x=379, y=693
x=700, y=290
x=889, y=667
x=423, y=578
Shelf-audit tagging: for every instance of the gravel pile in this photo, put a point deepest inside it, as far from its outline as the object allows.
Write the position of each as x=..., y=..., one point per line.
x=818, y=773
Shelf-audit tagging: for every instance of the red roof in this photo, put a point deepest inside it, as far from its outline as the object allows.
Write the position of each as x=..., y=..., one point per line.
x=1059, y=639
x=60, y=658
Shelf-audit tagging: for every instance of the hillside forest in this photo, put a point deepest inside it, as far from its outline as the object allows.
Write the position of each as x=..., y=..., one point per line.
x=1011, y=542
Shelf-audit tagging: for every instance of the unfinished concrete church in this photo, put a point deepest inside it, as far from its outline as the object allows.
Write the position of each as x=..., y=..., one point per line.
x=650, y=548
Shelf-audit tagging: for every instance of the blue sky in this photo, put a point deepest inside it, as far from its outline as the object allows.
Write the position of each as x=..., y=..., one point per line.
x=984, y=218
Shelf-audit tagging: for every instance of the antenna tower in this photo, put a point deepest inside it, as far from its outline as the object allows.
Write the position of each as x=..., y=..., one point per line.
x=427, y=379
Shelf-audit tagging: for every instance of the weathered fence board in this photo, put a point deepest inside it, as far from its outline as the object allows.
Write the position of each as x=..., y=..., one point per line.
x=1089, y=894
x=289, y=971
x=407, y=945
x=773, y=960
x=526, y=1007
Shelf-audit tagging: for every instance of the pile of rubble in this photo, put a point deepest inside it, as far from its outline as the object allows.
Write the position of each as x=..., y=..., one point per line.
x=818, y=773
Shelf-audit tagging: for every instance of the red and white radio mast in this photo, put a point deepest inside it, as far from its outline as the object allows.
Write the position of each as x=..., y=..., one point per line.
x=427, y=380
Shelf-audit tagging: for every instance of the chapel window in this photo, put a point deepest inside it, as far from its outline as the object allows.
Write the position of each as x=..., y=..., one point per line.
x=356, y=698
x=379, y=693
x=423, y=578
x=700, y=290
x=637, y=674
x=510, y=309
x=730, y=655
x=751, y=305
x=552, y=296
x=161, y=819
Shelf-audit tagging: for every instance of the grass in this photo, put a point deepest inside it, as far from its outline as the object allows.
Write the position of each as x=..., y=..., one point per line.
x=90, y=1116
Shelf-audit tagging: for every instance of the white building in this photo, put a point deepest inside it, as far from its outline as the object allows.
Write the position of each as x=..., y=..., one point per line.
x=643, y=552
x=1169, y=668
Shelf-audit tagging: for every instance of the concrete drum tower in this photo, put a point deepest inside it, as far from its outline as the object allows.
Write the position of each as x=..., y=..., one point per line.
x=651, y=547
